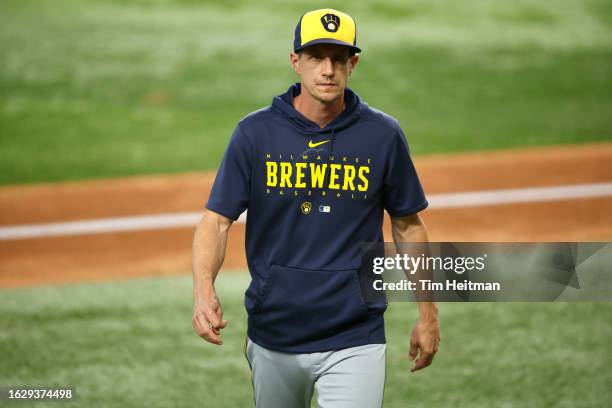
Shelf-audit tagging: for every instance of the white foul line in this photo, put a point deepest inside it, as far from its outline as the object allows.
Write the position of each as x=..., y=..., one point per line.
x=189, y=219
x=100, y=226
x=519, y=195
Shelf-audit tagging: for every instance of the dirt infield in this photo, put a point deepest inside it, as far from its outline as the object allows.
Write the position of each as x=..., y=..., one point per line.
x=158, y=252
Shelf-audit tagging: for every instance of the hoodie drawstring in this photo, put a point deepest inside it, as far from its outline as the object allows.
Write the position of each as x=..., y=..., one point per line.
x=331, y=154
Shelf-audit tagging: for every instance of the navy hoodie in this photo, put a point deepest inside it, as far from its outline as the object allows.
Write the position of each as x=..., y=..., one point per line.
x=314, y=195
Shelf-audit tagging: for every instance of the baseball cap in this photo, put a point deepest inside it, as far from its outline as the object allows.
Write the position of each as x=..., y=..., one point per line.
x=325, y=26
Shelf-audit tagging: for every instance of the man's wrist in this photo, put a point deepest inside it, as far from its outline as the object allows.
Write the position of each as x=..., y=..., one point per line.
x=428, y=312
x=204, y=291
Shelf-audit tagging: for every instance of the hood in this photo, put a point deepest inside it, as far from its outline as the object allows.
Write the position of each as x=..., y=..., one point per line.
x=283, y=104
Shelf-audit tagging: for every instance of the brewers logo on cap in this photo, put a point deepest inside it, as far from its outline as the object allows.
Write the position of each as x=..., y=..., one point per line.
x=330, y=22
x=325, y=26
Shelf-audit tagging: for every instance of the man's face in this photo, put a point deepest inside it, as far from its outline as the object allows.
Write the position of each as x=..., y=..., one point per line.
x=324, y=70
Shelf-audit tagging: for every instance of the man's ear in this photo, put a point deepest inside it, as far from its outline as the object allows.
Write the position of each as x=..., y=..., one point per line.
x=294, y=59
x=353, y=62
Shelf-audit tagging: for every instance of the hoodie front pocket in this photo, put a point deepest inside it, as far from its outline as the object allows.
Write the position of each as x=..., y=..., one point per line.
x=300, y=305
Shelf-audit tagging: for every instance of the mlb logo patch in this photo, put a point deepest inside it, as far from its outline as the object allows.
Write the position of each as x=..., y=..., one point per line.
x=324, y=208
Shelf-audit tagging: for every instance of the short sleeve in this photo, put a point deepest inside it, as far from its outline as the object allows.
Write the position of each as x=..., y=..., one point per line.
x=402, y=190
x=230, y=192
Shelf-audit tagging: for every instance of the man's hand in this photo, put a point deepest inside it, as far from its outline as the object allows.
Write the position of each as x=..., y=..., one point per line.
x=208, y=318
x=424, y=343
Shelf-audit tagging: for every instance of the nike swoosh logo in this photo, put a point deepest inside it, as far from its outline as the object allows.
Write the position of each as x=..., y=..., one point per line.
x=311, y=144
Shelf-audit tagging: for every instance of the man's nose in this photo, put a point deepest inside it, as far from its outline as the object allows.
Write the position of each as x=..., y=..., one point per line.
x=328, y=66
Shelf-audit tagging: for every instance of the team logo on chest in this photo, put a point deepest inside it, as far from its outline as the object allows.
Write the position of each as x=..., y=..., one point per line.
x=306, y=207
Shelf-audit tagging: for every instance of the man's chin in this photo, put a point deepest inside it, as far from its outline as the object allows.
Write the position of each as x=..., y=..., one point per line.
x=328, y=97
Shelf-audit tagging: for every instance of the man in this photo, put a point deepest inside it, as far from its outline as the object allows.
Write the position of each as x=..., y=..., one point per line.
x=316, y=170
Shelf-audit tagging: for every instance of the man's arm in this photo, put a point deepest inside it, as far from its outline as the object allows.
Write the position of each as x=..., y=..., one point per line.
x=425, y=336
x=209, y=243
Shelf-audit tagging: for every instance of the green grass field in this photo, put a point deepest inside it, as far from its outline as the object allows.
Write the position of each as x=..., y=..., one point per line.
x=131, y=343
x=110, y=88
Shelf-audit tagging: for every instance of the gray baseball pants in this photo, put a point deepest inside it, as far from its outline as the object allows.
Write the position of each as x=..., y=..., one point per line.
x=348, y=378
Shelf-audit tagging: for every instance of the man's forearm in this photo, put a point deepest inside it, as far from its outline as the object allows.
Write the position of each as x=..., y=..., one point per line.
x=412, y=229
x=209, y=243
x=208, y=252
x=425, y=336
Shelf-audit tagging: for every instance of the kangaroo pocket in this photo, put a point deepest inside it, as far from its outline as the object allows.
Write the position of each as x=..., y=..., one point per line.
x=301, y=305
